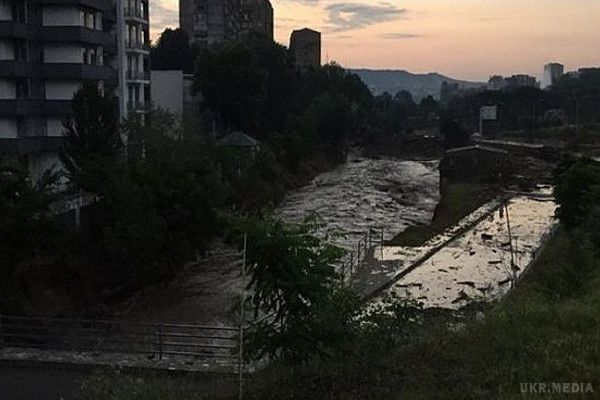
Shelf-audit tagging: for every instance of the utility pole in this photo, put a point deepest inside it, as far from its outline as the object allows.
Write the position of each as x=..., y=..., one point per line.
x=533, y=120
x=512, y=255
x=242, y=318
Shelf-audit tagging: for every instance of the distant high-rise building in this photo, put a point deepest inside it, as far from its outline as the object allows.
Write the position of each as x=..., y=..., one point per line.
x=589, y=70
x=305, y=45
x=496, y=82
x=257, y=17
x=552, y=73
x=47, y=49
x=214, y=21
x=521, y=80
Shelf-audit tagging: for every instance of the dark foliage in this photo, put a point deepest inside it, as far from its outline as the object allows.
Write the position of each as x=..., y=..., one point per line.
x=172, y=51
x=92, y=138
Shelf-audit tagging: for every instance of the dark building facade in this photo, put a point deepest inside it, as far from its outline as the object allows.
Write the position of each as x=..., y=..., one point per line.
x=257, y=17
x=475, y=164
x=214, y=21
x=305, y=45
x=521, y=80
x=47, y=49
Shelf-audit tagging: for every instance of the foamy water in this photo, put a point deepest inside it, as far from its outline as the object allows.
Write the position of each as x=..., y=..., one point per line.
x=368, y=193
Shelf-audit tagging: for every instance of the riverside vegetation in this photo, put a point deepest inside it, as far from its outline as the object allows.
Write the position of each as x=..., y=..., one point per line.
x=162, y=204
x=546, y=330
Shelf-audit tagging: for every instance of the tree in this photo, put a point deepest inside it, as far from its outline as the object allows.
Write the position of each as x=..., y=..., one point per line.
x=172, y=51
x=158, y=209
x=92, y=138
x=404, y=97
x=26, y=228
x=452, y=133
x=293, y=280
x=330, y=78
x=429, y=105
x=577, y=192
x=331, y=119
x=248, y=82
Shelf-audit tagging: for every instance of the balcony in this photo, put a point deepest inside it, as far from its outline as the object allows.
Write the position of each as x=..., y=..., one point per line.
x=136, y=106
x=77, y=71
x=58, y=34
x=69, y=34
x=101, y=5
x=135, y=14
x=17, y=30
x=137, y=45
x=19, y=69
x=35, y=107
x=31, y=144
x=138, y=76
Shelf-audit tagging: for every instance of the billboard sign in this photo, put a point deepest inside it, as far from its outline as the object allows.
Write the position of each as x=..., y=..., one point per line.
x=488, y=113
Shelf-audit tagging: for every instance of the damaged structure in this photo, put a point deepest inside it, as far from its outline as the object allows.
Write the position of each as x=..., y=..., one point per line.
x=476, y=164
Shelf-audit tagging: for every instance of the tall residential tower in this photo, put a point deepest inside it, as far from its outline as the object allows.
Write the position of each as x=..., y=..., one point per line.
x=214, y=21
x=305, y=45
x=552, y=73
x=47, y=49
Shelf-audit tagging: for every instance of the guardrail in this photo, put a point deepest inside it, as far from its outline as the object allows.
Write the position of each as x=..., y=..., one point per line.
x=111, y=336
x=355, y=257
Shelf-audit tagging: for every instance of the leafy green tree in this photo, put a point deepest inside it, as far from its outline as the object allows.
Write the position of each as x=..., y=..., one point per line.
x=92, y=138
x=330, y=118
x=248, y=82
x=160, y=208
x=330, y=78
x=293, y=281
x=429, y=105
x=577, y=192
x=578, y=97
x=452, y=133
x=172, y=51
x=27, y=230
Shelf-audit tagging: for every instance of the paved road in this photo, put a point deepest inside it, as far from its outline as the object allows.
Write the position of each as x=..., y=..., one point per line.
x=47, y=381
x=38, y=382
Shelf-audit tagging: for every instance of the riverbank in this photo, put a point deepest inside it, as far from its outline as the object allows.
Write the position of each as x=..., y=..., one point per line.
x=351, y=198
x=530, y=336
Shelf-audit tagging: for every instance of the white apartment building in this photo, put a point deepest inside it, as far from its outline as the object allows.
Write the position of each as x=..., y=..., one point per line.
x=47, y=49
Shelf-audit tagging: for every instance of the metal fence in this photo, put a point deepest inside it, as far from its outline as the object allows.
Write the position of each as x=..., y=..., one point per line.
x=355, y=257
x=154, y=340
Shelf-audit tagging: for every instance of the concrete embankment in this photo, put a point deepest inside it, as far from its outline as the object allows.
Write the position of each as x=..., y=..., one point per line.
x=482, y=263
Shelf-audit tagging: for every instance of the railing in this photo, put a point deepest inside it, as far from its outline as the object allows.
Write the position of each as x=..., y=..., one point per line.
x=106, y=336
x=135, y=12
x=137, y=45
x=355, y=257
x=138, y=75
x=135, y=106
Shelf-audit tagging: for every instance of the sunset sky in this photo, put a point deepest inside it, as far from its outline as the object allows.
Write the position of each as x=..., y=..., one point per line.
x=468, y=39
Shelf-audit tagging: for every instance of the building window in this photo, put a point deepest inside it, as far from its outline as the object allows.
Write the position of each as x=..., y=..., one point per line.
x=89, y=19
x=21, y=50
x=22, y=88
x=19, y=12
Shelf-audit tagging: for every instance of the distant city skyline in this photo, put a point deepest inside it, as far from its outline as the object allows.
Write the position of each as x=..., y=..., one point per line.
x=464, y=39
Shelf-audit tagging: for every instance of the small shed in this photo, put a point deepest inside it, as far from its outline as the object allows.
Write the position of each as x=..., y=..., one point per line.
x=242, y=141
x=241, y=152
x=476, y=164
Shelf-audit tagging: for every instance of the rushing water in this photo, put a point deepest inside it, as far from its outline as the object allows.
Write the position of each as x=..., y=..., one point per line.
x=368, y=193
